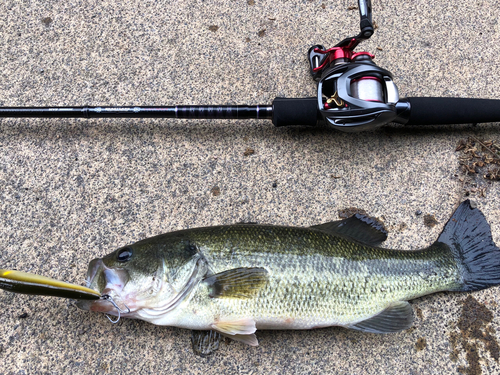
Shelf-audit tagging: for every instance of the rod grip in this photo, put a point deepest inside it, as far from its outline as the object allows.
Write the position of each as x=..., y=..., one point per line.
x=295, y=111
x=442, y=111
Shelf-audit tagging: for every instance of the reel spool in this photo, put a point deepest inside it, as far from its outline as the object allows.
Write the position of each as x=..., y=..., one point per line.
x=368, y=88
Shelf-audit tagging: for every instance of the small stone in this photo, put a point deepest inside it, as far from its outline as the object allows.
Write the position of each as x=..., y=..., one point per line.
x=430, y=221
x=249, y=151
x=215, y=191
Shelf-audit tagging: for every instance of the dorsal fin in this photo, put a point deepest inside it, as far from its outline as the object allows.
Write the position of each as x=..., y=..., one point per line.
x=358, y=227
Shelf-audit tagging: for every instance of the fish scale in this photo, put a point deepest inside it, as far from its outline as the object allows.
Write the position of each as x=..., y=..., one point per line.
x=316, y=279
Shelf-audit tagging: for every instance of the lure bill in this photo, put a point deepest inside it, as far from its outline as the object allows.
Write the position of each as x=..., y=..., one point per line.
x=28, y=283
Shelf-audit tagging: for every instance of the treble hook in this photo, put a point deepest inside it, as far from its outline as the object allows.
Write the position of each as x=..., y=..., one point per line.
x=108, y=298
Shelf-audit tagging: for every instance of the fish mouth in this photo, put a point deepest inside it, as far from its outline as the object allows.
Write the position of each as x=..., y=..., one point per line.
x=110, y=283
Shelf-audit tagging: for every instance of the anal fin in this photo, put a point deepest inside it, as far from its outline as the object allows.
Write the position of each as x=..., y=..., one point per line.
x=397, y=317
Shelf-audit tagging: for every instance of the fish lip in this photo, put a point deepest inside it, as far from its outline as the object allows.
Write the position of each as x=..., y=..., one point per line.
x=94, y=266
x=104, y=306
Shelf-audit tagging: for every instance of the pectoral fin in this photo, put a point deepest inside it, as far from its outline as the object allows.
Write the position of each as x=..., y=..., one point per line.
x=397, y=317
x=359, y=227
x=237, y=283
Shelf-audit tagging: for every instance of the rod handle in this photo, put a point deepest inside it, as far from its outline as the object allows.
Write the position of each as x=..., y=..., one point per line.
x=442, y=111
x=295, y=111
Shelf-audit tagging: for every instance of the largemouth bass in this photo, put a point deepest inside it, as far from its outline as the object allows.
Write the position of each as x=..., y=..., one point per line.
x=233, y=280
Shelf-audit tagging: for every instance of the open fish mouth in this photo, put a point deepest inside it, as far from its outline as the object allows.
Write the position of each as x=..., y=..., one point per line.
x=110, y=283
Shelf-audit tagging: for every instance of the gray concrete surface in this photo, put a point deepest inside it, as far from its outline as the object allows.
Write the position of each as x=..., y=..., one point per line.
x=71, y=190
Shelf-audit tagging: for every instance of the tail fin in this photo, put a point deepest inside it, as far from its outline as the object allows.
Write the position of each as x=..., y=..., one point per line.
x=468, y=235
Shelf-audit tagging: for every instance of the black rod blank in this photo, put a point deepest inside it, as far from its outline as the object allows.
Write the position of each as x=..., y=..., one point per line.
x=186, y=112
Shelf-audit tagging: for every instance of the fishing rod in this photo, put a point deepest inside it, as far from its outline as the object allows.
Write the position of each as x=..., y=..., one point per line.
x=354, y=94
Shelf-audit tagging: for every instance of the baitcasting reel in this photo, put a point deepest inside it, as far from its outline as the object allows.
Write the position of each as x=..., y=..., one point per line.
x=354, y=94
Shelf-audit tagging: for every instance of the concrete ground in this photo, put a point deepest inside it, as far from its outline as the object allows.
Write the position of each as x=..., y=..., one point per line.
x=72, y=190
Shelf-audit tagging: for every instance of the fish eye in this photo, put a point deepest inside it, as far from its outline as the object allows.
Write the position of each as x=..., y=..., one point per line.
x=124, y=254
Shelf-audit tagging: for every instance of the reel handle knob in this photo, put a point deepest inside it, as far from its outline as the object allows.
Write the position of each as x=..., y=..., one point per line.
x=365, y=14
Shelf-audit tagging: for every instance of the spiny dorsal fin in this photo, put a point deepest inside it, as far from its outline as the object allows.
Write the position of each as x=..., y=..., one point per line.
x=358, y=227
x=205, y=343
x=237, y=282
x=397, y=317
